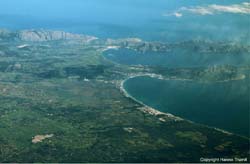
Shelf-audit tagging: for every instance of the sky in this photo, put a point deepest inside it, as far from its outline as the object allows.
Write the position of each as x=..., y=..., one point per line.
x=119, y=18
x=76, y=9
x=105, y=10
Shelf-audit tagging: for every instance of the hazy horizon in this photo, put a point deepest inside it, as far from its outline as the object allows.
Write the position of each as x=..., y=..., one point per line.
x=123, y=18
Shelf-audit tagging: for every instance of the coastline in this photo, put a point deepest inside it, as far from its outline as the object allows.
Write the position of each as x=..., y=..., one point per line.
x=146, y=108
x=152, y=111
x=155, y=112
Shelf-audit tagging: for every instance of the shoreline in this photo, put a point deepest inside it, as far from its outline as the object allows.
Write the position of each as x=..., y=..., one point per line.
x=152, y=111
x=155, y=112
x=146, y=108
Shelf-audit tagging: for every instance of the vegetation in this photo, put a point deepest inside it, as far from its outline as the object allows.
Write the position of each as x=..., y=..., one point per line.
x=69, y=92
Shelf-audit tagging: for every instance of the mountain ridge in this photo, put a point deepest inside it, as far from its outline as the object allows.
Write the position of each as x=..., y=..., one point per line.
x=43, y=35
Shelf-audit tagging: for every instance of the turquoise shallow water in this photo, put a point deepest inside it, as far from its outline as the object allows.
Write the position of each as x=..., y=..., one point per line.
x=222, y=105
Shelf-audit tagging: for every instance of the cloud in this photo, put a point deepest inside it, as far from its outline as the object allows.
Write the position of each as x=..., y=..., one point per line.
x=178, y=14
x=243, y=8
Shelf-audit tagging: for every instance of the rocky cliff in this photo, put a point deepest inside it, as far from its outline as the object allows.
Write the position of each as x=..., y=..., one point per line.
x=43, y=35
x=46, y=35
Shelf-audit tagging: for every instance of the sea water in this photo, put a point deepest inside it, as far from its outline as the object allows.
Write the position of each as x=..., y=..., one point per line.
x=223, y=105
